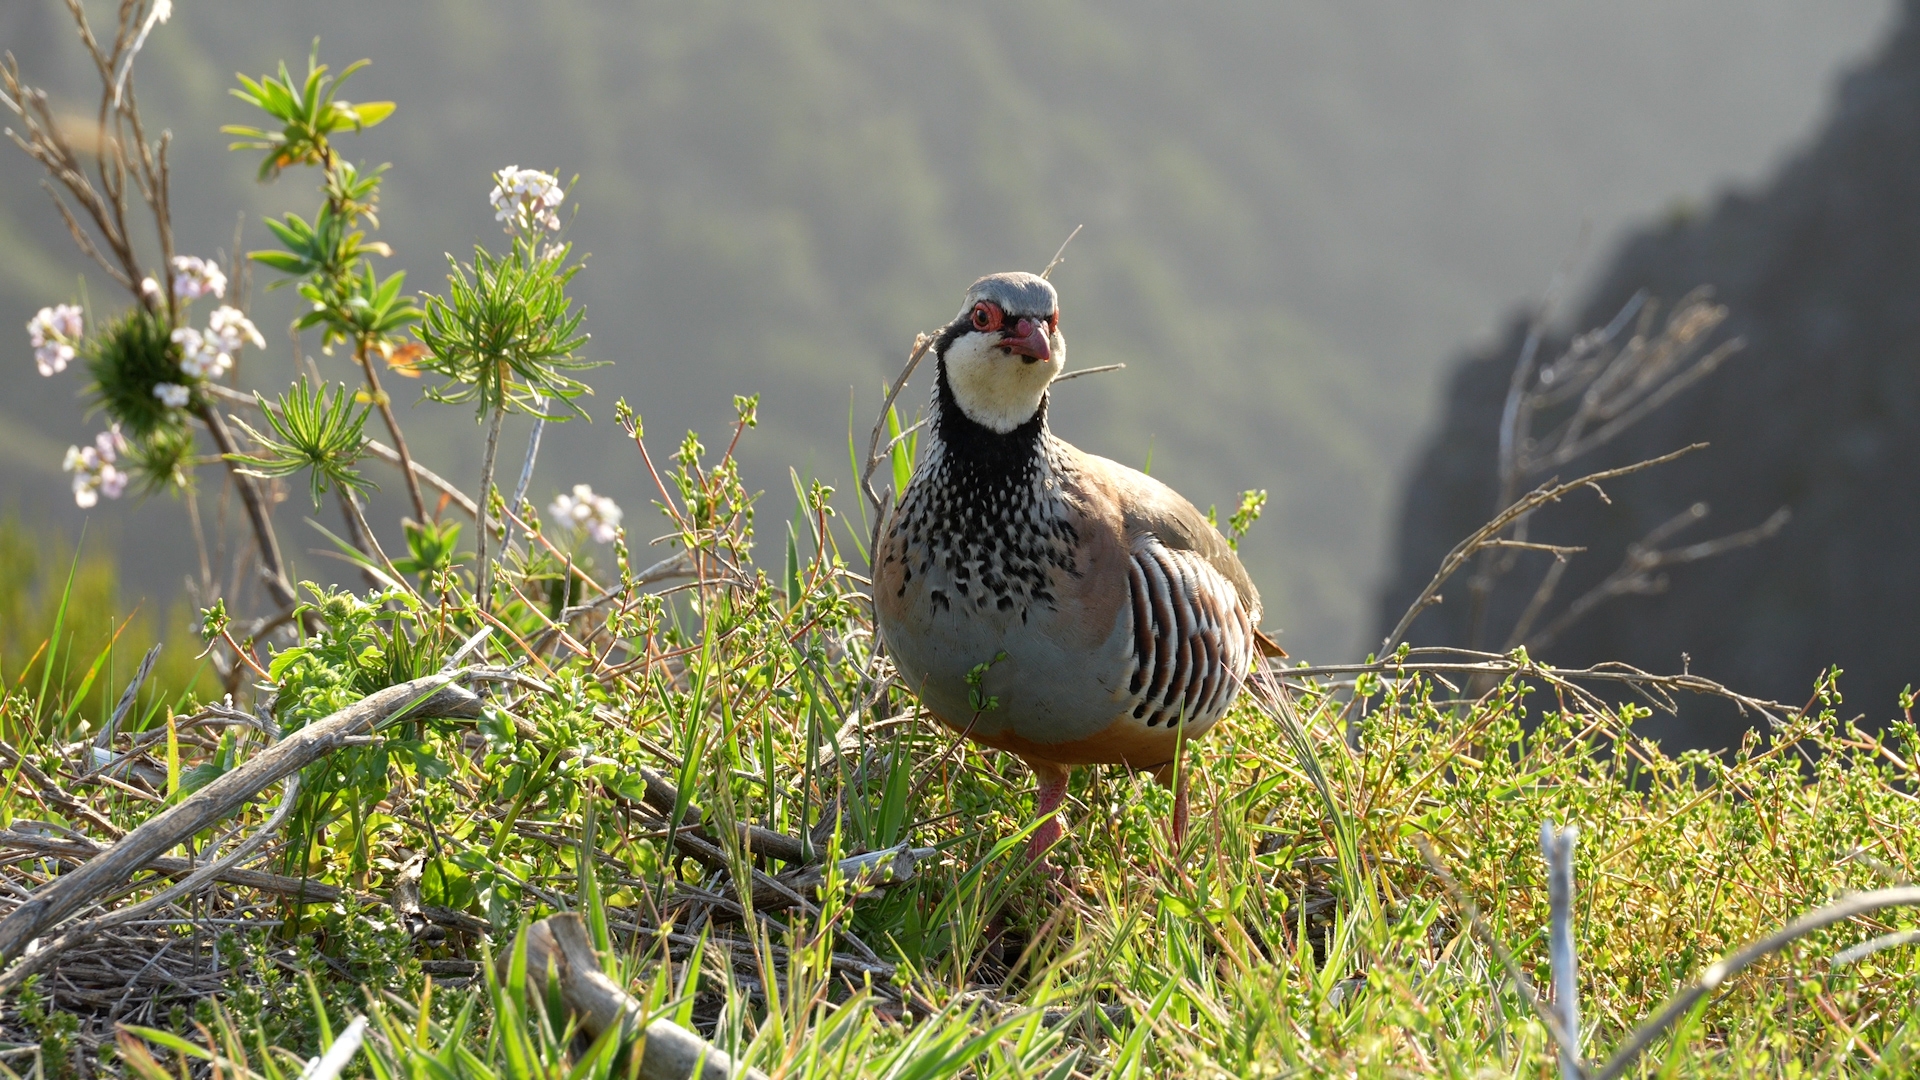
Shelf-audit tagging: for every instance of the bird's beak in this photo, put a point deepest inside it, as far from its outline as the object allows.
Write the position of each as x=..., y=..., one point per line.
x=1028, y=338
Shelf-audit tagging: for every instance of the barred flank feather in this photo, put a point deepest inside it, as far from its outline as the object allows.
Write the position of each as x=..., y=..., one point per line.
x=1193, y=641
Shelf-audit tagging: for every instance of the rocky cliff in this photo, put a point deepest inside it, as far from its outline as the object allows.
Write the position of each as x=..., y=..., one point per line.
x=1820, y=413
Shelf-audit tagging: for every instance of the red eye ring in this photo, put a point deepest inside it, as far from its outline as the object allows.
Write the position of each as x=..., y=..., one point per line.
x=986, y=316
x=1053, y=321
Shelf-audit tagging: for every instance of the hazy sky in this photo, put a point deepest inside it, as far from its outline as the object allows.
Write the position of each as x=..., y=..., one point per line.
x=1296, y=213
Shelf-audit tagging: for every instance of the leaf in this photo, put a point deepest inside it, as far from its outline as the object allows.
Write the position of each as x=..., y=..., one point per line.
x=368, y=113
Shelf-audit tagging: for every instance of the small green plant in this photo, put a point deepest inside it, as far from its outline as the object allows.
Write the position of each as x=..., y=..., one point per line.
x=309, y=112
x=315, y=432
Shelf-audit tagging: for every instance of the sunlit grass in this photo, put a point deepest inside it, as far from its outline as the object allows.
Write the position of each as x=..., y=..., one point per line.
x=1296, y=932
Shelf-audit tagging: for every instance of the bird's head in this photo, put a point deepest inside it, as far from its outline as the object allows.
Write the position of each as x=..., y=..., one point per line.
x=1001, y=351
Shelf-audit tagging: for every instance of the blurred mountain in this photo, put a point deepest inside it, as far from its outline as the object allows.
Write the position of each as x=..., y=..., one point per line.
x=1290, y=211
x=1820, y=413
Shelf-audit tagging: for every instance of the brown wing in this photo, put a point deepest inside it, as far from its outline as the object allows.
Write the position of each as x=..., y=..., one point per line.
x=1151, y=508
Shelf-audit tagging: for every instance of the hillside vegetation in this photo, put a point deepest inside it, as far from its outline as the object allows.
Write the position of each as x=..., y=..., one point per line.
x=551, y=788
x=1292, y=213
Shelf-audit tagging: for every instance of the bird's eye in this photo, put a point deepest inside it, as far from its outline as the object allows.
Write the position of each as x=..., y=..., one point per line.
x=986, y=316
x=1053, y=321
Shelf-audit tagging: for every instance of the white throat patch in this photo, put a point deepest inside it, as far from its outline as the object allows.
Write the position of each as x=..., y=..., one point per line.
x=998, y=390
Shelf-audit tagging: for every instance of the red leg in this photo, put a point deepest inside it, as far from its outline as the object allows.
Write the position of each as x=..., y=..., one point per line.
x=1050, y=791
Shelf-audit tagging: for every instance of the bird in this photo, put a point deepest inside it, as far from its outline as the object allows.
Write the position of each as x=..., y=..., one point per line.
x=1045, y=601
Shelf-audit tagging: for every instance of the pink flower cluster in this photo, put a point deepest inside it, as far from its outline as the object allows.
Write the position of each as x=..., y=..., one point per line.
x=55, y=332
x=209, y=354
x=195, y=277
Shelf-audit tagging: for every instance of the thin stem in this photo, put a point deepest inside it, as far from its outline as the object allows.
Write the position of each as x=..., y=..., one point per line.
x=526, y=467
x=365, y=355
x=366, y=530
x=200, y=543
x=356, y=535
x=486, y=494
x=272, y=569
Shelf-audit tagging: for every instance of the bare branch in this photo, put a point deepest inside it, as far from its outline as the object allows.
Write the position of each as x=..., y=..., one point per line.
x=432, y=696
x=1636, y=574
x=1443, y=661
x=1477, y=542
x=1065, y=375
x=922, y=344
x=1060, y=256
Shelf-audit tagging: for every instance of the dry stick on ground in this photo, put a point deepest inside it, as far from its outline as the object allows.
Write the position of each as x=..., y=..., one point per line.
x=48, y=792
x=1718, y=973
x=431, y=696
x=192, y=882
x=127, y=698
x=306, y=890
x=1562, y=1039
x=668, y=1051
x=1483, y=537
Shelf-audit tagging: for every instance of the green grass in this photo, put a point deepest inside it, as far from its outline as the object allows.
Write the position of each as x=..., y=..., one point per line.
x=1297, y=932
x=68, y=645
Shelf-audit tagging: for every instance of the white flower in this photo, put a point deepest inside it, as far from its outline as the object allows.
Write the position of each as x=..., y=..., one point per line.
x=202, y=356
x=230, y=330
x=55, y=332
x=150, y=289
x=525, y=198
x=171, y=394
x=94, y=470
x=195, y=277
x=597, y=514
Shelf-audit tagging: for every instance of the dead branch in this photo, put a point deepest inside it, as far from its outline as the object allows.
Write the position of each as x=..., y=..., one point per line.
x=1722, y=970
x=1481, y=537
x=1597, y=389
x=204, y=875
x=560, y=944
x=428, y=697
x=1103, y=368
x=922, y=343
x=1636, y=575
x=305, y=890
x=1441, y=661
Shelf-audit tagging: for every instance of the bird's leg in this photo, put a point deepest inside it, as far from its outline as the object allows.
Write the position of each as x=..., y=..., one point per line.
x=1049, y=792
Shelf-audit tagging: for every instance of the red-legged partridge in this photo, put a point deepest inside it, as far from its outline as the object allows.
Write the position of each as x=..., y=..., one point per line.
x=1113, y=620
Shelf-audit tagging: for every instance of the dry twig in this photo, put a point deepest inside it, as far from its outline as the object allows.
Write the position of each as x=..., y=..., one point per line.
x=432, y=696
